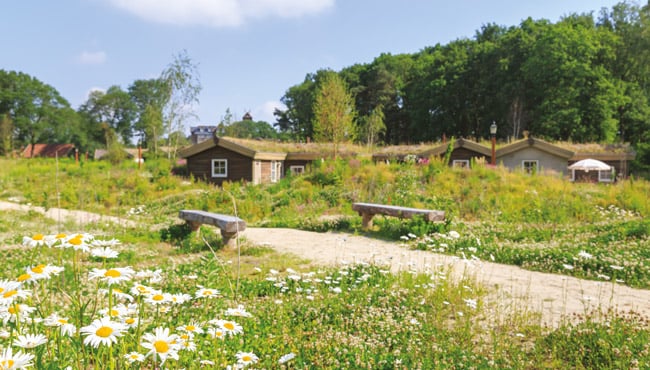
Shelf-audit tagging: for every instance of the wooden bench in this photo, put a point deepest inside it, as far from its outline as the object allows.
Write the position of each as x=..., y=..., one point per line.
x=368, y=210
x=229, y=225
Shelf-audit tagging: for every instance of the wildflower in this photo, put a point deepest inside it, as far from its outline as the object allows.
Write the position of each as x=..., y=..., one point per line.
x=585, y=255
x=217, y=333
x=10, y=313
x=141, y=290
x=192, y=328
x=153, y=276
x=239, y=311
x=404, y=237
x=454, y=234
x=157, y=297
x=104, y=252
x=229, y=327
x=78, y=242
x=30, y=340
x=567, y=267
x=133, y=357
x=286, y=358
x=111, y=276
x=102, y=331
x=115, y=312
x=34, y=241
x=7, y=285
x=616, y=267
x=55, y=240
x=246, y=358
x=206, y=363
x=161, y=344
x=105, y=243
x=118, y=293
x=130, y=322
x=19, y=360
x=65, y=326
x=179, y=298
x=471, y=303
x=207, y=293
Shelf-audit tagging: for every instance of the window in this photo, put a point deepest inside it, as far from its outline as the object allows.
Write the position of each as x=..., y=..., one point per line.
x=606, y=176
x=530, y=166
x=297, y=170
x=276, y=171
x=219, y=168
x=460, y=163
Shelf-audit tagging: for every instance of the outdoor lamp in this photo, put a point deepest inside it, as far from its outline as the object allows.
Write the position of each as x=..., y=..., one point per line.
x=493, y=132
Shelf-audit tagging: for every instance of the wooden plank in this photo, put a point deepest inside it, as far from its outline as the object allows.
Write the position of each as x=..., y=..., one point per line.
x=227, y=223
x=397, y=211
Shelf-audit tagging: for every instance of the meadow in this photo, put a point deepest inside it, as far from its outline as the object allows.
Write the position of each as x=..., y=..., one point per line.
x=156, y=295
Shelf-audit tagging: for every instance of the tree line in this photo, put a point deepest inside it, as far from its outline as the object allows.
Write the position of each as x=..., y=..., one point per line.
x=584, y=78
x=150, y=112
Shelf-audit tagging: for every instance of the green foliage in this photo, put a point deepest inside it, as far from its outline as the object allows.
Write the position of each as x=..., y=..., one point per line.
x=615, y=342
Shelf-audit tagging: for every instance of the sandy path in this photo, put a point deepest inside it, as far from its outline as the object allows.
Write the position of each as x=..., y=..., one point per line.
x=553, y=296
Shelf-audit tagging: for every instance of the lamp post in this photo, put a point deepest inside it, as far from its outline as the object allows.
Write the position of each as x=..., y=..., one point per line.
x=493, y=133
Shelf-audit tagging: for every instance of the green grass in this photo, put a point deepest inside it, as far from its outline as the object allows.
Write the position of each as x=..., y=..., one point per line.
x=352, y=316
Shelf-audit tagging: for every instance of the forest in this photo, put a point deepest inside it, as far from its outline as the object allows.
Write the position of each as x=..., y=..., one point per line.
x=584, y=78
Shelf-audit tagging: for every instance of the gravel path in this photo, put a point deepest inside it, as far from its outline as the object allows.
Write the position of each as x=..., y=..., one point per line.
x=553, y=296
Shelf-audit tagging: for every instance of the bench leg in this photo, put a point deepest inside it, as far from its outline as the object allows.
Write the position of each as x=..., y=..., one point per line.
x=229, y=239
x=194, y=226
x=366, y=220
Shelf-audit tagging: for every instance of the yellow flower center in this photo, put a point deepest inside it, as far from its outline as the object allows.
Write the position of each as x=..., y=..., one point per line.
x=63, y=321
x=10, y=293
x=115, y=290
x=104, y=331
x=246, y=358
x=158, y=297
x=22, y=278
x=161, y=346
x=130, y=320
x=229, y=326
x=7, y=364
x=12, y=310
x=190, y=328
x=38, y=237
x=207, y=292
x=60, y=236
x=38, y=269
x=112, y=273
x=75, y=241
x=114, y=313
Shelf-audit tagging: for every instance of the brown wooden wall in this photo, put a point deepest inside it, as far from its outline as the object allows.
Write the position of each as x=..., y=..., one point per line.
x=465, y=154
x=239, y=167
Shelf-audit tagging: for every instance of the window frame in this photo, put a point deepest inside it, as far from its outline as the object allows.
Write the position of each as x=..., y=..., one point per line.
x=297, y=169
x=223, y=161
x=608, y=178
x=528, y=170
x=460, y=163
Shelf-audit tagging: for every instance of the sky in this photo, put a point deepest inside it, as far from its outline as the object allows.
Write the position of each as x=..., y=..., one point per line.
x=247, y=52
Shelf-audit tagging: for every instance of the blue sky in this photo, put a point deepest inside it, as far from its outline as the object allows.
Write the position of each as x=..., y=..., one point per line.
x=248, y=52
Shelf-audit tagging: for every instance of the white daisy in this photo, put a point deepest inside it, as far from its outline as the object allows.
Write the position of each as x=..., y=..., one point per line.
x=192, y=328
x=111, y=276
x=207, y=293
x=102, y=331
x=286, y=358
x=180, y=298
x=239, y=311
x=246, y=358
x=104, y=252
x=34, y=241
x=217, y=333
x=65, y=326
x=161, y=344
x=133, y=357
x=157, y=297
x=141, y=290
x=229, y=327
x=16, y=310
x=30, y=340
x=18, y=360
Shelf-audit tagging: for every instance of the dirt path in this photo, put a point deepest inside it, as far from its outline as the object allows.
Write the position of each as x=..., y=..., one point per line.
x=553, y=296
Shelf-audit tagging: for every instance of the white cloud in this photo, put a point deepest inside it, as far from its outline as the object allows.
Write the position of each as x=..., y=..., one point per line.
x=219, y=13
x=92, y=57
x=265, y=111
